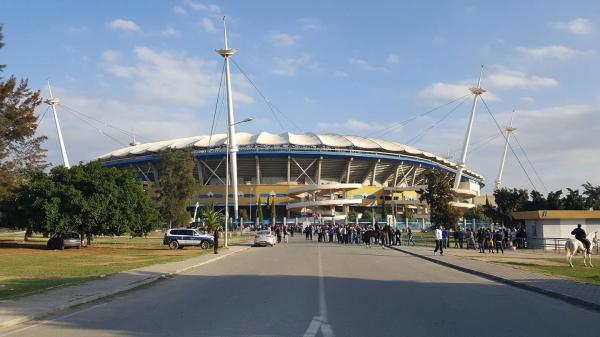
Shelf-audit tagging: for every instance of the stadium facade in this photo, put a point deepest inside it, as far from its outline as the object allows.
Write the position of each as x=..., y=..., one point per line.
x=323, y=176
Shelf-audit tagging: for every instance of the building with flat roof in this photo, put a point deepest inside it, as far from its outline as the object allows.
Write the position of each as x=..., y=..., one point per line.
x=543, y=227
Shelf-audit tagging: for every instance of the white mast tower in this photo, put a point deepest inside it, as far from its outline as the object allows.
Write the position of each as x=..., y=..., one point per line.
x=52, y=101
x=232, y=149
x=476, y=91
x=509, y=129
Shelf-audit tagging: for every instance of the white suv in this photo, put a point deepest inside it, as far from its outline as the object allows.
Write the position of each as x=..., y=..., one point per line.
x=177, y=238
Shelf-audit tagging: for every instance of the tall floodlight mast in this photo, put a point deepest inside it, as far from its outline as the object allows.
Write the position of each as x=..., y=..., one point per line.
x=509, y=129
x=476, y=91
x=52, y=101
x=232, y=149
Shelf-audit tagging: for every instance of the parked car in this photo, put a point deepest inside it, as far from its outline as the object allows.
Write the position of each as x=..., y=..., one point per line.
x=264, y=238
x=65, y=240
x=177, y=238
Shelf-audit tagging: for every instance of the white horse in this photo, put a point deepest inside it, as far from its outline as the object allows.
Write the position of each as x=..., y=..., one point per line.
x=574, y=246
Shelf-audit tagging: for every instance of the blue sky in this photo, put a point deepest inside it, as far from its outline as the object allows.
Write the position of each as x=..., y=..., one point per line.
x=149, y=67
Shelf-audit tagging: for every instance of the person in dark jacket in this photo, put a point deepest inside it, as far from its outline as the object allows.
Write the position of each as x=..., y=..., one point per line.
x=581, y=236
x=216, y=237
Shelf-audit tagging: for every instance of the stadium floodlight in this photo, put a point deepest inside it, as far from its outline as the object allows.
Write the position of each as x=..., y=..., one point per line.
x=245, y=120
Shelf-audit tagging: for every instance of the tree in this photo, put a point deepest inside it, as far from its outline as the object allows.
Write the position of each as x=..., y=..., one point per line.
x=438, y=196
x=574, y=201
x=509, y=201
x=177, y=185
x=369, y=214
x=477, y=212
x=537, y=202
x=593, y=195
x=409, y=214
x=490, y=211
x=259, y=212
x=352, y=215
x=87, y=199
x=212, y=218
x=554, y=200
x=20, y=149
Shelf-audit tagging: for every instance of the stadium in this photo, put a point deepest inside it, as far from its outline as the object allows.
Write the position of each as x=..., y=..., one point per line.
x=305, y=175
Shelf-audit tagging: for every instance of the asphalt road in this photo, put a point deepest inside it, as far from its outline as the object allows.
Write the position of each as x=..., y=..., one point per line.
x=308, y=289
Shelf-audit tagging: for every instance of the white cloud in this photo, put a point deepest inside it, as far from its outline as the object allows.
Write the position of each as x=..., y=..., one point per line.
x=577, y=26
x=365, y=65
x=392, y=59
x=310, y=24
x=197, y=6
x=281, y=39
x=351, y=125
x=126, y=25
x=510, y=79
x=170, y=32
x=289, y=66
x=179, y=10
x=527, y=99
x=208, y=25
x=171, y=79
x=111, y=55
x=553, y=51
x=340, y=74
x=451, y=91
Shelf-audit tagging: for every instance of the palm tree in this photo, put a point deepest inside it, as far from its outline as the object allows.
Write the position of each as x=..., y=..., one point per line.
x=212, y=218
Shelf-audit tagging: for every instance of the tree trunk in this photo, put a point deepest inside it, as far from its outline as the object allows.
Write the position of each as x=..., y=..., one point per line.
x=28, y=234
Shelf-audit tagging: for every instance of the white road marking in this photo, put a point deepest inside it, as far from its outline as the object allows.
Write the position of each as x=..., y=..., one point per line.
x=321, y=320
x=51, y=320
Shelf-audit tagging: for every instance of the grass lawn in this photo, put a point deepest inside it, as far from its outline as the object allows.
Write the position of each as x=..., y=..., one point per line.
x=559, y=267
x=27, y=267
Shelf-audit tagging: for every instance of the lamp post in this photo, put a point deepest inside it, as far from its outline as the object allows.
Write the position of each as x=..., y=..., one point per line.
x=273, y=216
x=226, y=242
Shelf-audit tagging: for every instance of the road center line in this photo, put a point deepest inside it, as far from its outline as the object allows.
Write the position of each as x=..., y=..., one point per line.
x=321, y=320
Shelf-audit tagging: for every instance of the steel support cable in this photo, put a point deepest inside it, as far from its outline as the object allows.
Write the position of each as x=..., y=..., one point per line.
x=404, y=122
x=97, y=129
x=530, y=164
x=270, y=104
x=483, y=144
x=212, y=126
x=424, y=132
x=478, y=143
x=44, y=114
x=510, y=146
x=125, y=132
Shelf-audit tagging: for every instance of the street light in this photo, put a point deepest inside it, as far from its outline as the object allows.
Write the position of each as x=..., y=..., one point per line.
x=245, y=120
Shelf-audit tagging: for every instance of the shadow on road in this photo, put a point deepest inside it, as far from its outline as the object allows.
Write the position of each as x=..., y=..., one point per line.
x=255, y=305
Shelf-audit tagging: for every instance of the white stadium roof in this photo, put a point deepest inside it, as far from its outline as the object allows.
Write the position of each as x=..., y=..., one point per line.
x=283, y=139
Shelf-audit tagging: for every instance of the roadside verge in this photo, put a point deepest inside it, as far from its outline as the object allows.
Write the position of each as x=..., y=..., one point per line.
x=14, y=312
x=583, y=295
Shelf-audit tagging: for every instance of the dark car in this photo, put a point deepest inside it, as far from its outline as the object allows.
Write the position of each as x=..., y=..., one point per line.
x=66, y=240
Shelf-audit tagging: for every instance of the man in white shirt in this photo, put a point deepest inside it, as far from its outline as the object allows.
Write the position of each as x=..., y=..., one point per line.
x=438, y=241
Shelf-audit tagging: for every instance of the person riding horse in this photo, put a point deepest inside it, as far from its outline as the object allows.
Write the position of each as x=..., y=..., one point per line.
x=581, y=236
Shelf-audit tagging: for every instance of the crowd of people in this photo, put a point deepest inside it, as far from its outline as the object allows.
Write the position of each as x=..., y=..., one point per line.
x=482, y=239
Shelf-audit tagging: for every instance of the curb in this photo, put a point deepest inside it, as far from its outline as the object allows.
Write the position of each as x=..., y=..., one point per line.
x=126, y=288
x=553, y=294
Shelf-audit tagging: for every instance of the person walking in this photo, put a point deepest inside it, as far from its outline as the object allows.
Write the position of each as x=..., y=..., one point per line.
x=498, y=240
x=216, y=239
x=285, y=234
x=439, y=242
x=461, y=237
x=481, y=240
x=410, y=237
x=444, y=237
